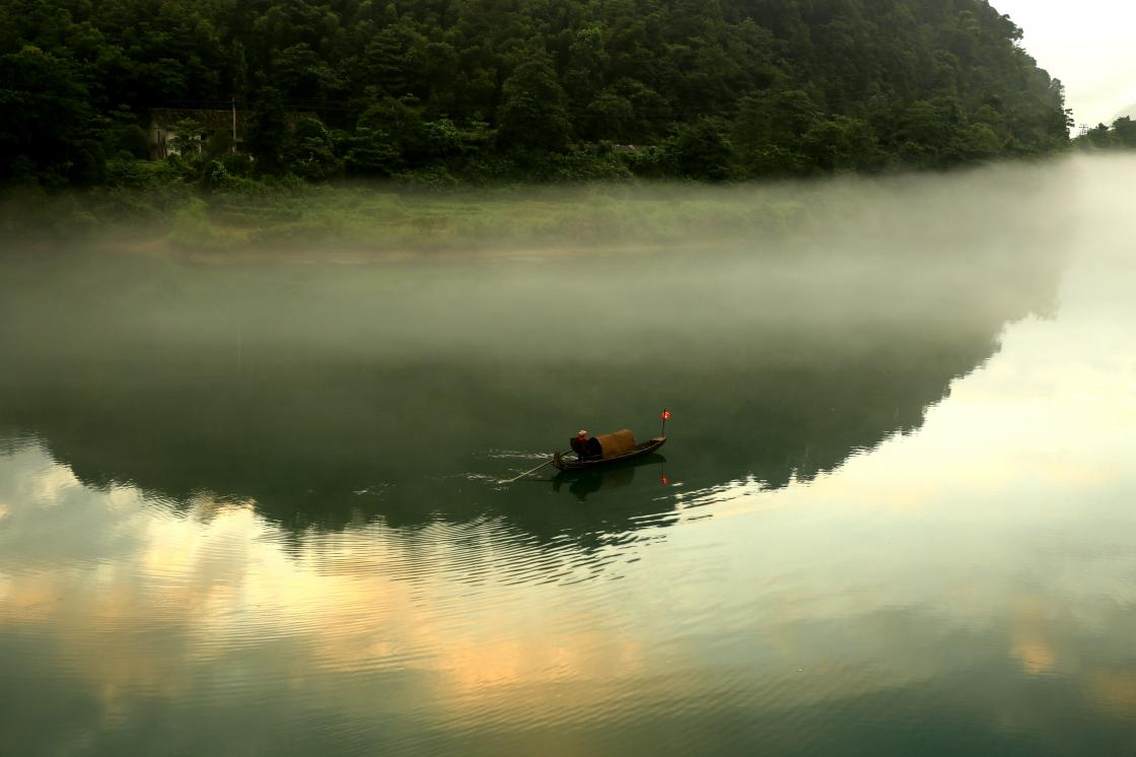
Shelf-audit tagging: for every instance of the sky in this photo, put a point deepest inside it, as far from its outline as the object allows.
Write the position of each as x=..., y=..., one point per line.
x=1088, y=46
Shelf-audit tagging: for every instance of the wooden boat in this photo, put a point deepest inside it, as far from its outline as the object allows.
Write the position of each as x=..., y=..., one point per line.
x=570, y=463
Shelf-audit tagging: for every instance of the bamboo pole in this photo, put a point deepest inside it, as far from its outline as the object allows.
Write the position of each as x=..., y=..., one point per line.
x=534, y=470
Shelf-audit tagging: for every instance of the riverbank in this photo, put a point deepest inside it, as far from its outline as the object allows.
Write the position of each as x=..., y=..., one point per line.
x=390, y=219
x=375, y=221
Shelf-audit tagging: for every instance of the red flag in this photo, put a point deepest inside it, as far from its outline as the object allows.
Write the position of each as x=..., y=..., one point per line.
x=666, y=416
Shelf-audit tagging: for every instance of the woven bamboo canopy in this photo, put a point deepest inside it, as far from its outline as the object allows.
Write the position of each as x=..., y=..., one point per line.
x=618, y=443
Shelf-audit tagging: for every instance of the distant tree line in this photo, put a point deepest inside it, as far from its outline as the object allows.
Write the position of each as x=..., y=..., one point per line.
x=707, y=89
x=1120, y=136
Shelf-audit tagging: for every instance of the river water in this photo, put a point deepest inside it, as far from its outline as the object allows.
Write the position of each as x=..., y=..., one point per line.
x=255, y=507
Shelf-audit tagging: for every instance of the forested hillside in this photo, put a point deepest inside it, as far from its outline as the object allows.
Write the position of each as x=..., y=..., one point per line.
x=1120, y=136
x=709, y=89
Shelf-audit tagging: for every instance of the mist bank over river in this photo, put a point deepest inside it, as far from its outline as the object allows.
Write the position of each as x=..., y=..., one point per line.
x=371, y=386
x=382, y=221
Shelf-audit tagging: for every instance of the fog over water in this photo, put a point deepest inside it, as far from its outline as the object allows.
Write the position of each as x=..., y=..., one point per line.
x=256, y=505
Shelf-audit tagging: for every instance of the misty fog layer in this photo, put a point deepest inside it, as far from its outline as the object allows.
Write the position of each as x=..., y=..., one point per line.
x=299, y=383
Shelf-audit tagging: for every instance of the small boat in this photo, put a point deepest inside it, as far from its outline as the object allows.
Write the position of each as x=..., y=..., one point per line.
x=618, y=448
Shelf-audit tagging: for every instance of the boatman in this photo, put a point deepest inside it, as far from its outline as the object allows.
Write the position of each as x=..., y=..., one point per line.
x=586, y=448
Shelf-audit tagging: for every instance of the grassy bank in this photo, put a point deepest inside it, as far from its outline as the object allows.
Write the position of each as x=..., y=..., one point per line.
x=156, y=212
x=156, y=208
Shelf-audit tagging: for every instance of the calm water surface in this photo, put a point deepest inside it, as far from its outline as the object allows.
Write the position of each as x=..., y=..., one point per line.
x=260, y=508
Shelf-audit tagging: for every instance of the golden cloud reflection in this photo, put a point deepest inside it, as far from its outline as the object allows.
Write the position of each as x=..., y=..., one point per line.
x=217, y=595
x=1115, y=690
x=217, y=584
x=1029, y=642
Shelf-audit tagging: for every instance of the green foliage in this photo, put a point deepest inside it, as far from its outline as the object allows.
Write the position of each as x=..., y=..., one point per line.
x=238, y=213
x=268, y=133
x=701, y=151
x=1124, y=131
x=841, y=144
x=1121, y=136
x=309, y=151
x=388, y=139
x=188, y=139
x=141, y=174
x=127, y=140
x=193, y=228
x=474, y=89
x=47, y=127
x=533, y=112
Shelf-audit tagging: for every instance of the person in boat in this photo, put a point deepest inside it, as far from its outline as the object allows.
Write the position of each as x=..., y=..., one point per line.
x=586, y=447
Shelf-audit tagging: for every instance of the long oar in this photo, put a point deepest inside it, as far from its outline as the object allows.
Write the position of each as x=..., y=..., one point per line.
x=546, y=463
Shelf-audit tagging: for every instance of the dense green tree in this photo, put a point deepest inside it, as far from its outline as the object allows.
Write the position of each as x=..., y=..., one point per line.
x=1124, y=131
x=1121, y=136
x=702, y=151
x=736, y=88
x=268, y=132
x=840, y=144
x=609, y=116
x=47, y=126
x=1099, y=137
x=533, y=112
x=309, y=150
x=385, y=133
